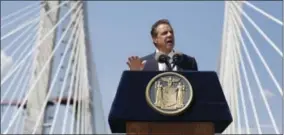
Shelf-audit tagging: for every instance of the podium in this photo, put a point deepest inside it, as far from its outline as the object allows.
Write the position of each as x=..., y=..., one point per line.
x=207, y=114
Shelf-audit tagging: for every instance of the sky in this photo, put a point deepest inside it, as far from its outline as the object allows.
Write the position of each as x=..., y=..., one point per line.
x=122, y=29
x=6, y=61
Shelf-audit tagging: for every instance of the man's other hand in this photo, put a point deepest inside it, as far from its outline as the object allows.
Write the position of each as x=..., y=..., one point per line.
x=135, y=63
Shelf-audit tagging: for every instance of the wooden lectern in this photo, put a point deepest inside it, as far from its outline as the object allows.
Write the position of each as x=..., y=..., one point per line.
x=178, y=128
x=208, y=113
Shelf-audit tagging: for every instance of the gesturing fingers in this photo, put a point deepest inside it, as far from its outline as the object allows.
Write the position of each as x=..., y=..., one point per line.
x=132, y=58
x=135, y=63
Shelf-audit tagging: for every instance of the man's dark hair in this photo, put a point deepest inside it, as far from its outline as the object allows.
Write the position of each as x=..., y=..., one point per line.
x=156, y=24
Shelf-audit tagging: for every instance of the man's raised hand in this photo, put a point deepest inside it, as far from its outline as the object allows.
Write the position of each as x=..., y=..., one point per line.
x=135, y=63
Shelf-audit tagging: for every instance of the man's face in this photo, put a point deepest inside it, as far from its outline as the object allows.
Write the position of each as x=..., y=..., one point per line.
x=165, y=38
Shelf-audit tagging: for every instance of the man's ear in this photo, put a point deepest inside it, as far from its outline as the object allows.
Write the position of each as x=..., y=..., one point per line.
x=154, y=40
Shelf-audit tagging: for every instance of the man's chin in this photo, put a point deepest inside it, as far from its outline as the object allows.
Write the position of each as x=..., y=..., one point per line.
x=170, y=46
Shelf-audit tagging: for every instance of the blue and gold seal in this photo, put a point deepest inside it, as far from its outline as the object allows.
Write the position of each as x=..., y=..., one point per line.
x=169, y=93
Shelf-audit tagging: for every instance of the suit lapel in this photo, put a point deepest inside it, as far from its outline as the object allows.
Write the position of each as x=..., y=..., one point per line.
x=151, y=64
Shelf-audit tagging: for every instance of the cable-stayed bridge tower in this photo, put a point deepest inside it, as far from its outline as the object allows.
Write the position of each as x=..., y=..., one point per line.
x=236, y=62
x=229, y=64
x=60, y=89
x=49, y=83
x=35, y=100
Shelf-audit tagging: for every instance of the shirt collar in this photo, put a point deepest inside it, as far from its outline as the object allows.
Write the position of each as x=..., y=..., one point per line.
x=170, y=54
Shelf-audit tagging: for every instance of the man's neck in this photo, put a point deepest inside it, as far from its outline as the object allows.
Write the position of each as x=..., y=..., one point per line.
x=165, y=52
x=170, y=54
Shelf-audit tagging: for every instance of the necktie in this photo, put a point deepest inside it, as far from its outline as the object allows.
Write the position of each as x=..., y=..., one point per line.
x=169, y=61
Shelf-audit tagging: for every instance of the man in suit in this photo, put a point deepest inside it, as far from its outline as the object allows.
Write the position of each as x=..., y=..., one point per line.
x=163, y=38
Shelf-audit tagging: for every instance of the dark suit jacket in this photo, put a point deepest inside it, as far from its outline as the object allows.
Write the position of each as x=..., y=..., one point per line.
x=189, y=63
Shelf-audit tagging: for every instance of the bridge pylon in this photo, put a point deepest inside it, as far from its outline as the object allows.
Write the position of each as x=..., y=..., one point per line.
x=229, y=63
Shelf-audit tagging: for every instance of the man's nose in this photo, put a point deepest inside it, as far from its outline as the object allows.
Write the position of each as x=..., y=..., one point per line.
x=169, y=34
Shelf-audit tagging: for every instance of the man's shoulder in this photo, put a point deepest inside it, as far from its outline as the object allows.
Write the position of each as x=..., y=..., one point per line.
x=189, y=62
x=188, y=57
x=147, y=57
x=152, y=55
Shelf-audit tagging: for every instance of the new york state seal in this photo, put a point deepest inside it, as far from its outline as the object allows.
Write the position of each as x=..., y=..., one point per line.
x=169, y=93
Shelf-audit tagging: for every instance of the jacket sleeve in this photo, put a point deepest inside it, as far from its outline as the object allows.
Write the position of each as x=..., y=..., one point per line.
x=194, y=64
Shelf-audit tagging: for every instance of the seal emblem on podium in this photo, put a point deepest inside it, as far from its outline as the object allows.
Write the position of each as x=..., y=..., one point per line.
x=169, y=93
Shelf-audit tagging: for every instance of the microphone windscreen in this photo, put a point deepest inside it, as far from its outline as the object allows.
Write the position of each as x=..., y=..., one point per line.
x=158, y=56
x=178, y=53
x=177, y=57
x=161, y=57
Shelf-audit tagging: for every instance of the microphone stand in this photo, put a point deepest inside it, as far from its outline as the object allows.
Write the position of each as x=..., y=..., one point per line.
x=170, y=68
x=177, y=59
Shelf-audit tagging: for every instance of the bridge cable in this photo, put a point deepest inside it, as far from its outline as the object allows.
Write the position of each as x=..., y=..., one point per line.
x=79, y=114
x=31, y=21
x=239, y=81
x=61, y=62
x=23, y=52
x=263, y=12
x=76, y=94
x=235, y=72
x=5, y=48
x=13, y=79
x=246, y=80
x=66, y=72
x=22, y=15
x=40, y=43
x=45, y=65
x=18, y=11
x=71, y=85
x=274, y=46
x=257, y=79
x=263, y=60
x=25, y=71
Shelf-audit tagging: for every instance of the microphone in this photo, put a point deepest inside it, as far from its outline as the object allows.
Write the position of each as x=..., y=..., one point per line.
x=162, y=58
x=177, y=59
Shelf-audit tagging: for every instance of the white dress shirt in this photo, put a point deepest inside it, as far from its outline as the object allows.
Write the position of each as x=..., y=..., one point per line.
x=163, y=66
